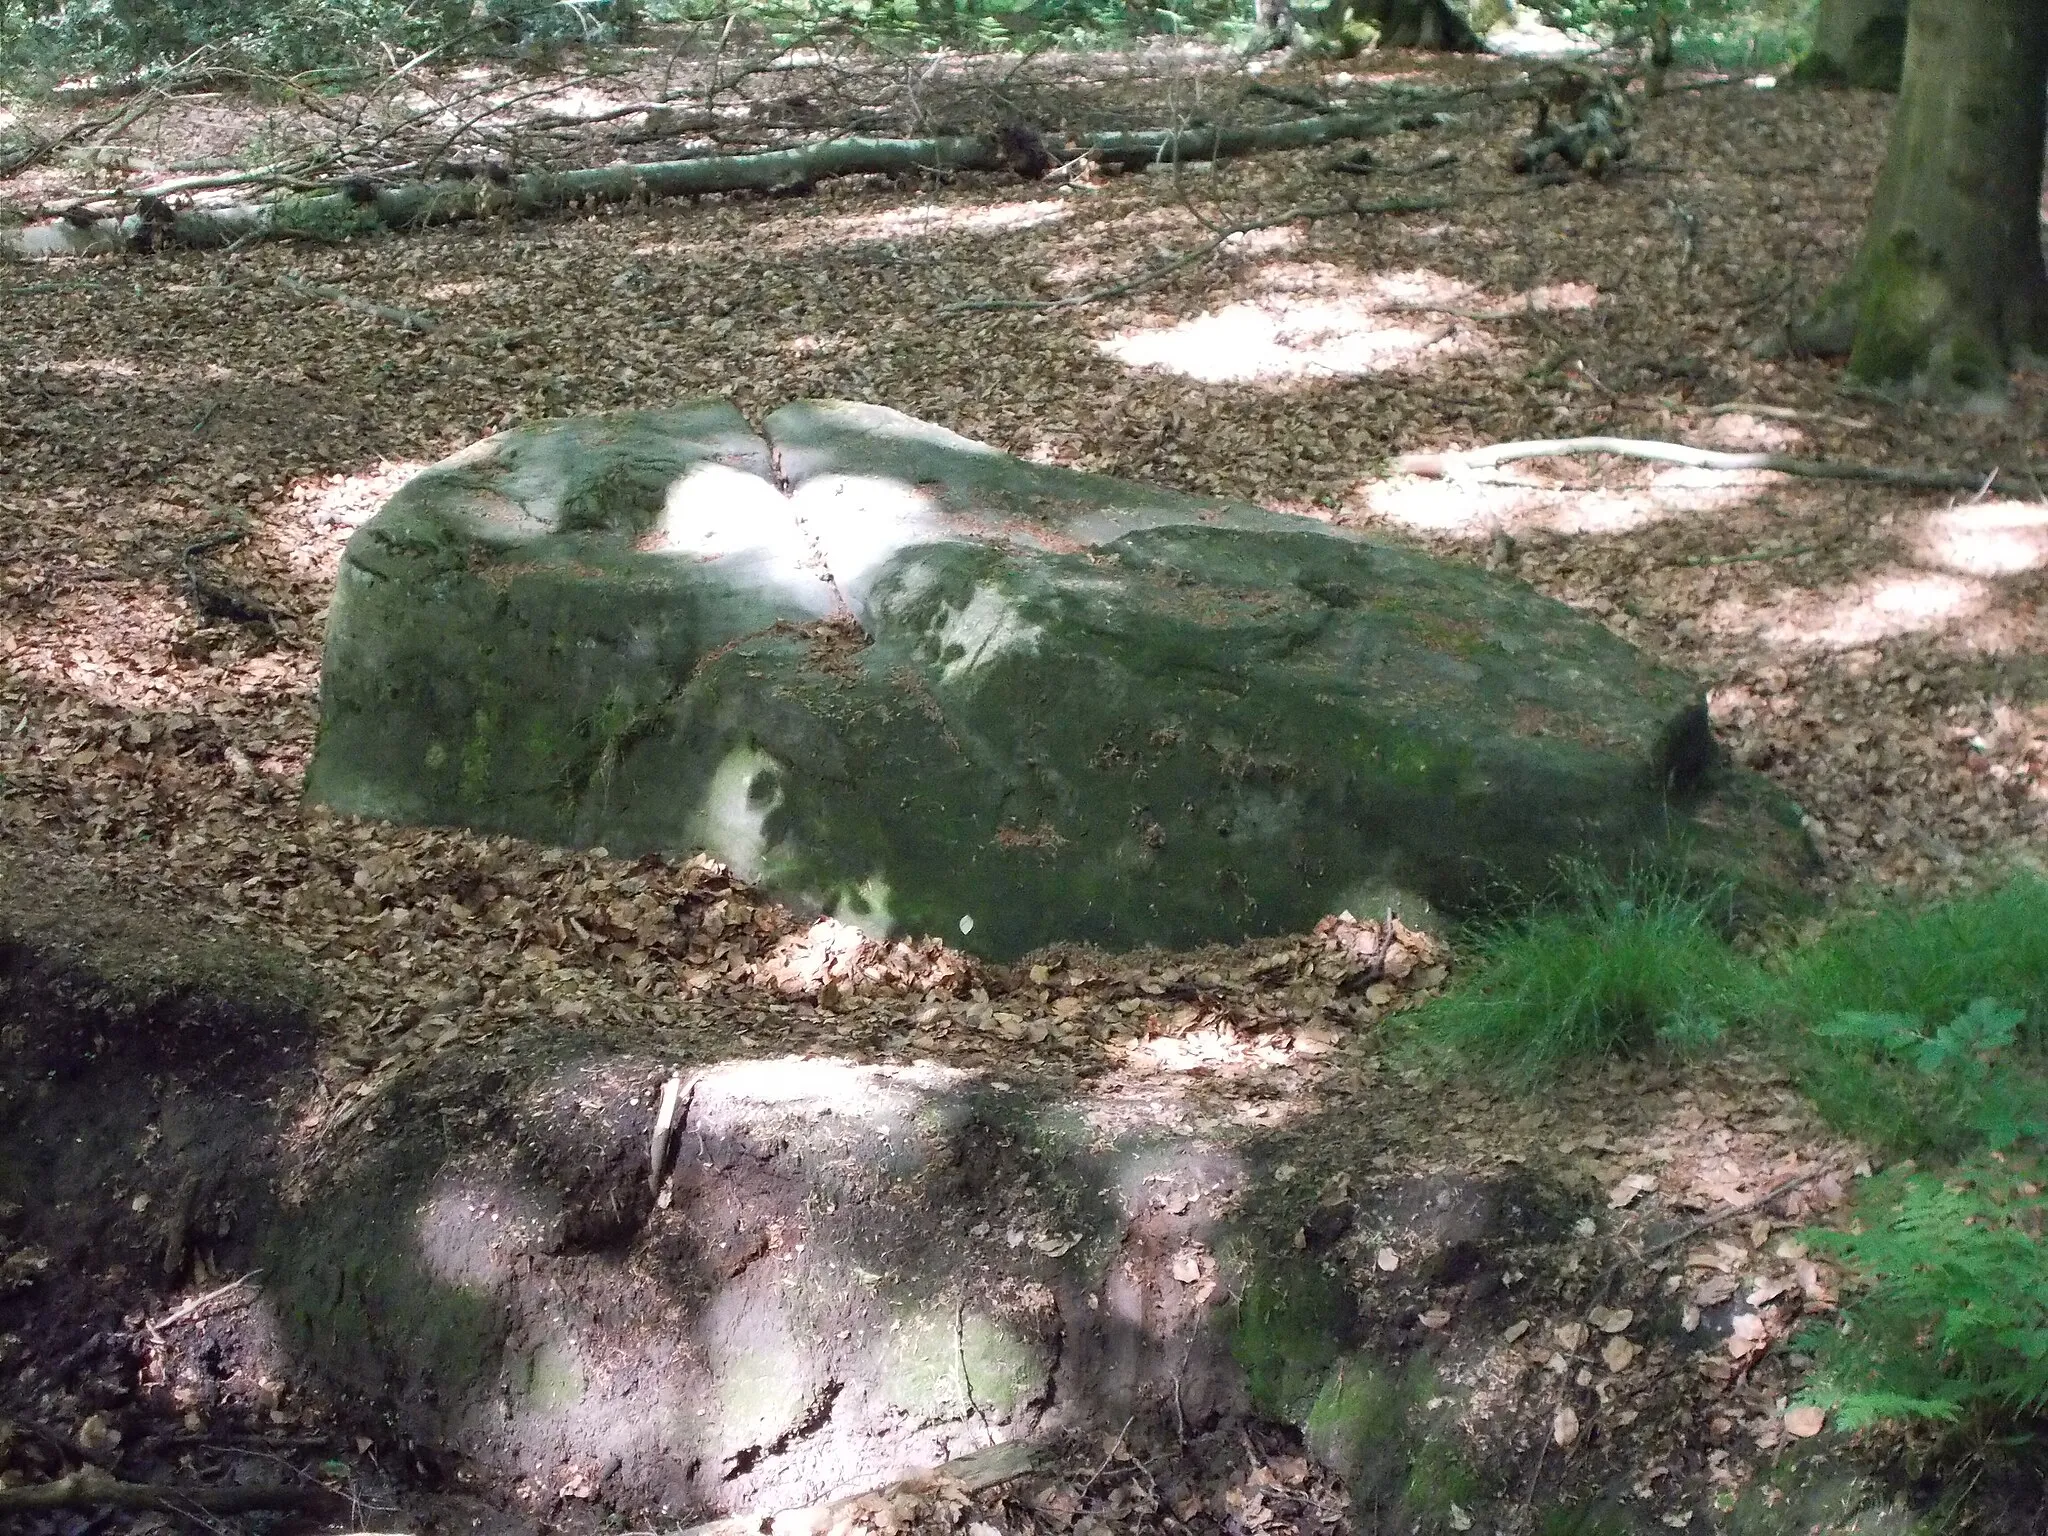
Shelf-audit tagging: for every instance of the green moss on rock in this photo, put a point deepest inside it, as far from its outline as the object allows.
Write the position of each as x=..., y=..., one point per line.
x=933, y=689
x=1291, y=1323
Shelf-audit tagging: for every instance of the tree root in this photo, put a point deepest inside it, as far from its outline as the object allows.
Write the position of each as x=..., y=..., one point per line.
x=91, y=1488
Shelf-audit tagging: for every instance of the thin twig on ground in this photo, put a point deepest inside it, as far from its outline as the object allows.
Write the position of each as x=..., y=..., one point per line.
x=1718, y=1218
x=1787, y=413
x=186, y=1311
x=1467, y=463
x=404, y=319
x=1757, y=557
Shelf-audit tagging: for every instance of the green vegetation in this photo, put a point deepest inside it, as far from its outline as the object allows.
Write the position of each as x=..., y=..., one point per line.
x=1618, y=970
x=77, y=38
x=1931, y=1040
x=1935, y=962
x=340, y=39
x=1917, y=1087
x=1923, y=1032
x=1716, y=34
x=1952, y=1320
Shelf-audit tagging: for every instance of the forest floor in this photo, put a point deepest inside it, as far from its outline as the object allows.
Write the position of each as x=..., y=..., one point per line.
x=1878, y=652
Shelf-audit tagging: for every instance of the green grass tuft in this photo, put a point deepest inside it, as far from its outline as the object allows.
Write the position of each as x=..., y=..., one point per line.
x=1626, y=969
x=1935, y=962
x=1926, y=1032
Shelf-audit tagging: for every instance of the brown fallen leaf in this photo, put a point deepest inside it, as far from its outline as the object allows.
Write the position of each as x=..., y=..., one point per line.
x=1803, y=1421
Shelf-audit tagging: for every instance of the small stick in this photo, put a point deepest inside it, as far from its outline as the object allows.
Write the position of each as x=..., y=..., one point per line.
x=1708, y=1223
x=1786, y=413
x=404, y=319
x=1760, y=555
x=1189, y=257
x=665, y=1121
x=185, y=1311
x=1422, y=307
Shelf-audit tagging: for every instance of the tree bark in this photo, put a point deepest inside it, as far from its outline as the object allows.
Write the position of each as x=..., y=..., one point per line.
x=1857, y=42
x=1419, y=24
x=1948, y=289
x=1276, y=23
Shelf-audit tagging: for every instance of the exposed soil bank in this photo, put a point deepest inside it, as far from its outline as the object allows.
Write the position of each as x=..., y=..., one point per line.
x=469, y=1300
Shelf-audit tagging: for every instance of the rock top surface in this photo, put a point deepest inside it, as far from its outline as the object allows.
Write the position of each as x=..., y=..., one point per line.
x=924, y=686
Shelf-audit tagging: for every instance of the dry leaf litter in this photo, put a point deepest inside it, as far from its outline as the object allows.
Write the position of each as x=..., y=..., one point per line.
x=1875, y=651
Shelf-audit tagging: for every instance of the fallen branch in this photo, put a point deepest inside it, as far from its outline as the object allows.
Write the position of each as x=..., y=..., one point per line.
x=404, y=319
x=363, y=209
x=37, y=149
x=977, y=1472
x=1468, y=462
x=91, y=1488
x=1188, y=258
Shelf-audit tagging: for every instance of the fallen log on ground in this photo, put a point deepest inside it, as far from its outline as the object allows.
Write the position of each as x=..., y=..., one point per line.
x=360, y=208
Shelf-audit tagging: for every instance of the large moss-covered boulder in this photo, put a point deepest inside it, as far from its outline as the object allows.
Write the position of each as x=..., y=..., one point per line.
x=922, y=685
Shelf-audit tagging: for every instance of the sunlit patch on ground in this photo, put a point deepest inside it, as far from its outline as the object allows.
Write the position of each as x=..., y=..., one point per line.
x=1224, y=1048
x=440, y=293
x=1316, y=320
x=1267, y=242
x=925, y=220
x=96, y=368
x=1479, y=508
x=109, y=644
x=1992, y=538
x=1897, y=602
x=1740, y=432
x=1276, y=340
x=325, y=510
x=1286, y=338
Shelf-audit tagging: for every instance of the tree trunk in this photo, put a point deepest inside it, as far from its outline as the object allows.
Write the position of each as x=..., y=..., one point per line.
x=1949, y=288
x=1857, y=42
x=1419, y=24
x=1276, y=23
